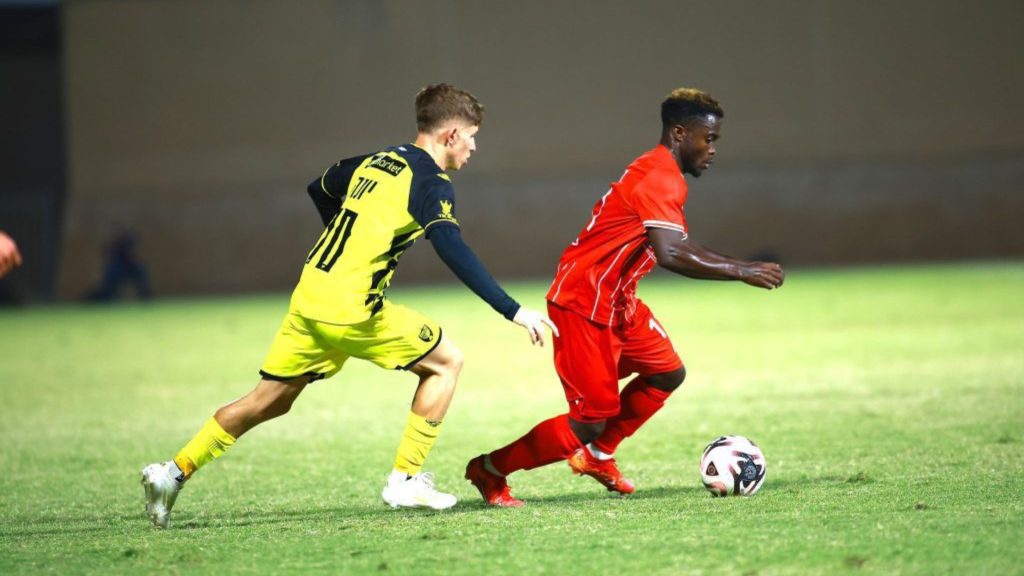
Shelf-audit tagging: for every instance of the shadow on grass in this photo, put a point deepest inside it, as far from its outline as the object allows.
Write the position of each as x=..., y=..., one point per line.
x=345, y=518
x=348, y=517
x=62, y=530
x=599, y=494
x=355, y=516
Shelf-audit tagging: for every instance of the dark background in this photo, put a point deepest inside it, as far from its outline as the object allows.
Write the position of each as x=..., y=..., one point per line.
x=867, y=132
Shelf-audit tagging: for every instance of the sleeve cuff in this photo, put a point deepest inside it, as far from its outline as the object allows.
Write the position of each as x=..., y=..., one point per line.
x=510, y=314
x=439, y=222
x=665, y=225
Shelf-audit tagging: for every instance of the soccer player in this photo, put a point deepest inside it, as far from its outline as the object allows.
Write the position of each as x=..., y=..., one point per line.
x=607, y=332
x=374, y=207
x=9, y=255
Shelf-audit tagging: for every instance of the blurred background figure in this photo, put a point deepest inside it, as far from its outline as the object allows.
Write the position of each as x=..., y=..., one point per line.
x=121, y=267
x=9, y=255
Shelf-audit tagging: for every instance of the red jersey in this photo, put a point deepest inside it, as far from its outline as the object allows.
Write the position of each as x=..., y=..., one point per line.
x=598, y=273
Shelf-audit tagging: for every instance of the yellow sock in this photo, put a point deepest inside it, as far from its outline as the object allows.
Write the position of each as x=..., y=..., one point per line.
x=211, y=442
x=417, y=440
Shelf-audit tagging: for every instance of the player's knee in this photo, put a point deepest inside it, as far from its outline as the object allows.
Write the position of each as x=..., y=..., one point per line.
x=456, y=360
x=667, y=381
x=451, y=362
x=587, y=432
x=445, y=361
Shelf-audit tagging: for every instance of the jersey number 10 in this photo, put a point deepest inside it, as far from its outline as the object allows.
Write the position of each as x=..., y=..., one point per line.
x=339, y=228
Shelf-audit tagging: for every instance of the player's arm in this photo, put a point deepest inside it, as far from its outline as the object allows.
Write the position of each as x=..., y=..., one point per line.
x=459, y=257
x=432, y=204
x=328, y=191
x=678, y=253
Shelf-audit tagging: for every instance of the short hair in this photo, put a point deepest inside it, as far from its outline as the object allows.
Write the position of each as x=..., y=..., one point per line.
x=685, y=104
x=438, y=103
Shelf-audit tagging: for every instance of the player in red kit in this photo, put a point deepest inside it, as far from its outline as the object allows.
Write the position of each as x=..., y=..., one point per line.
x=607, y=333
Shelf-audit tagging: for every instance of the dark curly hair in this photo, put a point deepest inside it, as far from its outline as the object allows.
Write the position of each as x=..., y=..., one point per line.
x=684, y=104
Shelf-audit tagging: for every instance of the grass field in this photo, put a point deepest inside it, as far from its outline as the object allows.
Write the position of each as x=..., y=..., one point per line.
x=889, y=403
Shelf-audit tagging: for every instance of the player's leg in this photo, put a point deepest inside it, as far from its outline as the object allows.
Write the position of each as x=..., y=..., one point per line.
x=585, y=358
x=644, y=396
x=297, y=356
x=583, y=460
x=640, y=399
x=438, y=374
x=398, y=337
x=648, y=351
x=294, y=352
x=552, y=440
x=407, y=485
x=163, y=481
x=271, y=398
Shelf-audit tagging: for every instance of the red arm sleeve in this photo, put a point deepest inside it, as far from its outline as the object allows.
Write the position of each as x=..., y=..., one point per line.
x=660, y=200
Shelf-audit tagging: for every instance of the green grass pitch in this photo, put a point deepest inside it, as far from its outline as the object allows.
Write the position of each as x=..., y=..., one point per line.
x=889, y=403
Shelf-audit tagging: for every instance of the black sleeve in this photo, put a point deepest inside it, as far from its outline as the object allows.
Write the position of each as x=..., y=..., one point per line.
x=328, y=191
x=432, y=203
x=449, y=245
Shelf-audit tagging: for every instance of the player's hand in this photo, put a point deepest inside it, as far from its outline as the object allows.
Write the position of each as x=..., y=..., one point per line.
x=534, y=323
x=9, y=255
x=767, y=275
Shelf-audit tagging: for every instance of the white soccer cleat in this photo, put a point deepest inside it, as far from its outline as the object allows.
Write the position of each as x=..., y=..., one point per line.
x=161, y=491
x=403, y=491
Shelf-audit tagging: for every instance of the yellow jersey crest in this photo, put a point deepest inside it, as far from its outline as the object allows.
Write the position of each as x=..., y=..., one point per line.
x=446, y=211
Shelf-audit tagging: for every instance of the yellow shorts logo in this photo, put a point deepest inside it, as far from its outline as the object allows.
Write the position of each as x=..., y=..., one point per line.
x=426, y=334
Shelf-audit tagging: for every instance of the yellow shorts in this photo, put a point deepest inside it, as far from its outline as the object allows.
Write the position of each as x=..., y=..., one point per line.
x=394, y=338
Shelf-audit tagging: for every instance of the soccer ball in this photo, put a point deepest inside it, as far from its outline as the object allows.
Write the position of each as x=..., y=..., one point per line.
x=732, y=465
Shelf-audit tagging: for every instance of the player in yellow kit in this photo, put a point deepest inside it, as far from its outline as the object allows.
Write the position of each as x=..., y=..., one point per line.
x=374, y=207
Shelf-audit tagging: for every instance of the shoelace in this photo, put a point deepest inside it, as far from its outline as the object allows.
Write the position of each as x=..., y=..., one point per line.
x=427, y=478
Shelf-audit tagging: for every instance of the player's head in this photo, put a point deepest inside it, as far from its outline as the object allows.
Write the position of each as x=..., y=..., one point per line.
x=691, y=121
x=450, y=118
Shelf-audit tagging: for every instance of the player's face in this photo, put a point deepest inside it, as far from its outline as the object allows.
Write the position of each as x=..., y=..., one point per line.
x=697, y=147
x=460, y=145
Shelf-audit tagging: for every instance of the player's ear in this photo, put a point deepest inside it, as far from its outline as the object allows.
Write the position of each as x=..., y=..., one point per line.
x=450, y=135
x=679, y=132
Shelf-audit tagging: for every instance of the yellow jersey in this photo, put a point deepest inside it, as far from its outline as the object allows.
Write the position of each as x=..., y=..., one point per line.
x=375, y=207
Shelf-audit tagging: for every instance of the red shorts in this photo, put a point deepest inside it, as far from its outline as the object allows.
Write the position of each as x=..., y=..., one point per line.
x=590, y=358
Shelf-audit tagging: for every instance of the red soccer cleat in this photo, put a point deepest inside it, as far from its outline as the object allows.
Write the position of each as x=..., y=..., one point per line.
x=492, y=487
x=604, y=471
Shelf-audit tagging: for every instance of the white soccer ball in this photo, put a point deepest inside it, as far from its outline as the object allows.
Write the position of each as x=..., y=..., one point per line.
x=732, y=465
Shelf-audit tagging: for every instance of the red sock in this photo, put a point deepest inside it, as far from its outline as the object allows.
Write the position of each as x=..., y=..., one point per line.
x=550, y=441
x=638, y=401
